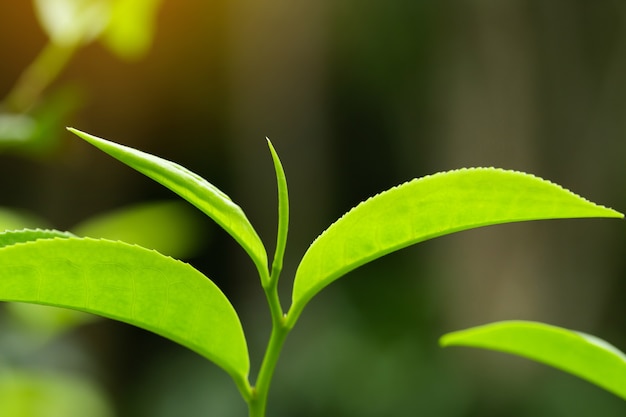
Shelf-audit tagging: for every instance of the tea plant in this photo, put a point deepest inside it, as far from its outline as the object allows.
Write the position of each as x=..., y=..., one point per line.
x=171, y=298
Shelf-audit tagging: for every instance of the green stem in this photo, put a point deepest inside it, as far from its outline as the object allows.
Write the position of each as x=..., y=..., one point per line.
x=258, y=402
x=38, y=76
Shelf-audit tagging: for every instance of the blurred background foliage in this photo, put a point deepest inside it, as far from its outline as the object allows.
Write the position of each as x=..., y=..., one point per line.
x=357, y=96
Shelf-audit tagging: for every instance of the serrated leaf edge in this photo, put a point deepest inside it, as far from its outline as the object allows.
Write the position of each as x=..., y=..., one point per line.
x=452, y=171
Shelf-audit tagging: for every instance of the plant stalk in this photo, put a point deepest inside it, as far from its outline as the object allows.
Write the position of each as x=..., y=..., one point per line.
x=260, y=391
x=38, y=76
x=257, y=402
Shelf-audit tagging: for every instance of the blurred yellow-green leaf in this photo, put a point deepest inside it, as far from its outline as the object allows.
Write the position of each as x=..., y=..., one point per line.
x=47, y=321
x=27, y=394
x=173, y=228
x=13, y=219
x=130, y=31
x=37, y=132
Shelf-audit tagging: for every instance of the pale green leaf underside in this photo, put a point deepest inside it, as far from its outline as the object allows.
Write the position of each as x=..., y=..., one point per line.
x=580, y=354
x=12, y=237
x=130, y=284
x=193, y=188
x=428, y=207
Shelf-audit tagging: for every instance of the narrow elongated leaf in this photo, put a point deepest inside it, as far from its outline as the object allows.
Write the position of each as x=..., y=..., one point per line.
x=12, y=237
x=578, y=353
x=130, y=284
x=283, y=214
x=193, y=188
x=428, y=207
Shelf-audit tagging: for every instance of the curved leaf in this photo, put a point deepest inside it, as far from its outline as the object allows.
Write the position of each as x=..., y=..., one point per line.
x=130, y=284
x=11, y=237
x=425, y=208
x=193, y=188
x=283, y=214
x=578, y=353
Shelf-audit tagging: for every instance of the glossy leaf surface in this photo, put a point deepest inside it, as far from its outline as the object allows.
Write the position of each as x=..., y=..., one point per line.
x=283, y=213
x=578, y=353
x=130, y=284
x=429, y=207
x=193, y=188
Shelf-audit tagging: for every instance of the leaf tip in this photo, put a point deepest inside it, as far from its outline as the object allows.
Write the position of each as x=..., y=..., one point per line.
x=78, y=133
x=443, y=341
x=446, y=340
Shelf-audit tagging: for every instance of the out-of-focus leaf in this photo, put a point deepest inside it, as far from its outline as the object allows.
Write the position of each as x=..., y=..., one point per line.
x=131, y=28
x=16, y=129
x=29, y=394
x=12, y=219
x=170, y=227
x=73, y=22
x=47, y=321
x=37, y=132
x=578, y=353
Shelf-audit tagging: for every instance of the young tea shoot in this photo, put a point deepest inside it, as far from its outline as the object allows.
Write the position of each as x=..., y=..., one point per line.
x=171, y=298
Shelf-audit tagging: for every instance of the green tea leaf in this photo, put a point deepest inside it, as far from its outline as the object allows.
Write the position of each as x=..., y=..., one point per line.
x=578, y=353
x=12, y=237
x=195, y=189
x=130, y=284
x=16, y=129
x=283, y=214
x=429, y=207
